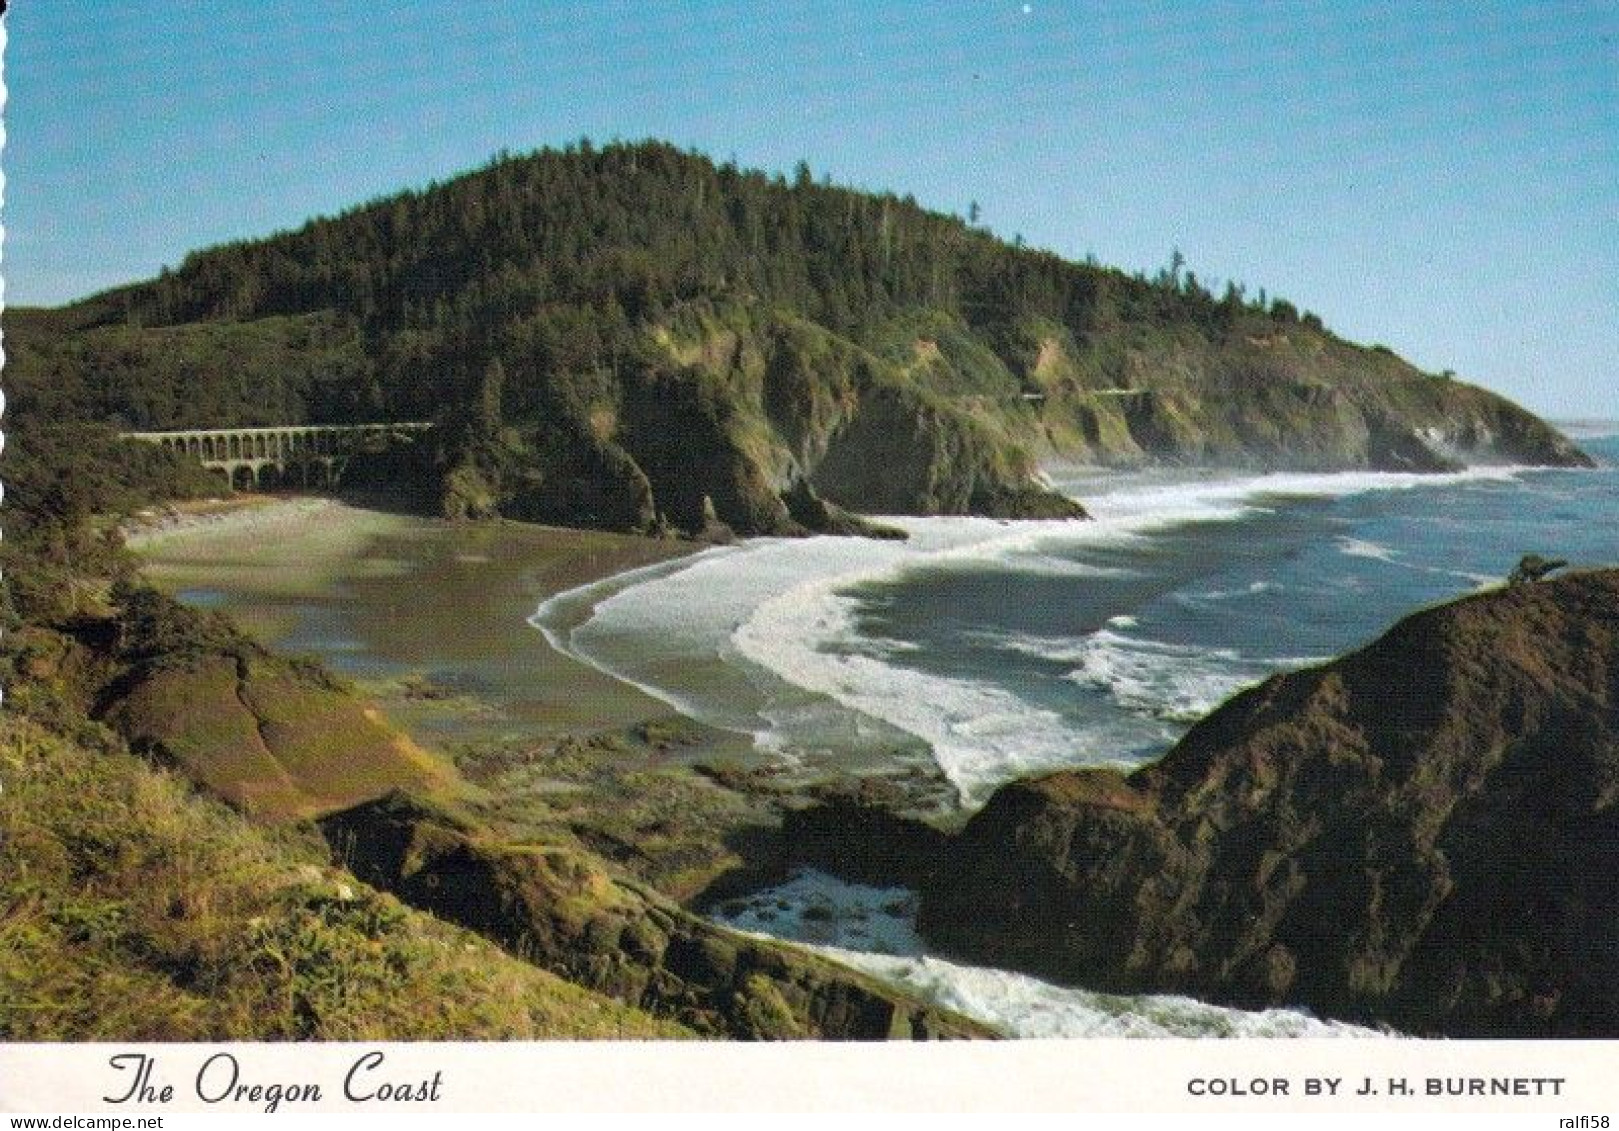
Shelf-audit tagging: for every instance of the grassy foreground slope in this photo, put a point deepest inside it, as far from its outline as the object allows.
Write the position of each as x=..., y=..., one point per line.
x=129, y=872
x=133, y=907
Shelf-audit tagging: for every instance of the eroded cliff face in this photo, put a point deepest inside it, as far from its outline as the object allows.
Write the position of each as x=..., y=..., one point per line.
x=768, y=424
x=741, y=406
x=564, y=911
x=1297, y=401
x=1423, y=833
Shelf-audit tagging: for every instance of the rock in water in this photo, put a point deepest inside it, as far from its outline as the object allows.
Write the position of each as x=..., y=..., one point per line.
x=1423, y=833
x=1533, y=567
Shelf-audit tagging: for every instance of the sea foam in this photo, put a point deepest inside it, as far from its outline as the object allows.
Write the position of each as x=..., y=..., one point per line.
x=767, y=638
x=873, y=929
x=1176, y=682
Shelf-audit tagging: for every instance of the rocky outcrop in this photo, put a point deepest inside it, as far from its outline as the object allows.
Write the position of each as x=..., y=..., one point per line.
x=278, y=739
x=860, y=831
x=274, y=744
x=689, y=434
x=562, y=910
x=903, y=453
x=1423, y=833
x=818, y=516
x=578, y=479
x=1335, y=408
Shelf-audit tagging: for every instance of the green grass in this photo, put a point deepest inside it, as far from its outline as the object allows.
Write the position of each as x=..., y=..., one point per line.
x=132, y=907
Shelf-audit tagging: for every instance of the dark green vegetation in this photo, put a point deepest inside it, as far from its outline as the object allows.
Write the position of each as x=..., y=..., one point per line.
x=1423, y=833
x=611, y=336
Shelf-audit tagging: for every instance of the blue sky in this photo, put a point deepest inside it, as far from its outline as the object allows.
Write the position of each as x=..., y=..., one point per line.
x=1439, y=177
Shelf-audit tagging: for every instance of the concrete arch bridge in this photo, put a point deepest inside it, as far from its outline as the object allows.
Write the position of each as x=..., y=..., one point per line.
x=301, y=455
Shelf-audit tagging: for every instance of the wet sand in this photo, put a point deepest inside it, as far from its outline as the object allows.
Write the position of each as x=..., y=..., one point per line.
x=429, y=616
x=430, y=620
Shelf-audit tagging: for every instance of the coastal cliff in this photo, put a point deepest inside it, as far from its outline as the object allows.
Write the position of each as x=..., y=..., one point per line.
x=563, y=910
x=1423, y=833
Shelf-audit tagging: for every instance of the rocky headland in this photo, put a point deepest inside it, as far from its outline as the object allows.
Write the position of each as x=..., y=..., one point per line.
x=635, y=338
x=1423, y=833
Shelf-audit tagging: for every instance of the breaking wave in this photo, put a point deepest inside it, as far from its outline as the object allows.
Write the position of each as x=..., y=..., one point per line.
x=874, y=930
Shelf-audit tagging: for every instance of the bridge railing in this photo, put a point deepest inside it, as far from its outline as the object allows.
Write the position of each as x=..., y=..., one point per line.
x=281, y=429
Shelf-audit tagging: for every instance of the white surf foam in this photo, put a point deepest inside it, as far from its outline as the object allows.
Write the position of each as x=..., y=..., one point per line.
x=1360, y=548
x=772, y=628
x=874, y=930
x=1176, y=682
x=979, y=734
x=1166, y=681
x=573, y=623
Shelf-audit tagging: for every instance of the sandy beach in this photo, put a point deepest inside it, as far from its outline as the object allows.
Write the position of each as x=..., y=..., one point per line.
x=428, y=616
x=430, y=620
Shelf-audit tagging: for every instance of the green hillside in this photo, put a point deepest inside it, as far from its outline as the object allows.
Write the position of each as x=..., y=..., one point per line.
x=608, y=336
x=132, y=907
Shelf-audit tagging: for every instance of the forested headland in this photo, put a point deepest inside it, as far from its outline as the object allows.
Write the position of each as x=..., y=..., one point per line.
x=636, y=337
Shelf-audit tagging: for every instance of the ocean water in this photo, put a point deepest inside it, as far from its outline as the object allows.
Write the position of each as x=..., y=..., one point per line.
x=873, y=930
x=991, y=649
x=994, y=649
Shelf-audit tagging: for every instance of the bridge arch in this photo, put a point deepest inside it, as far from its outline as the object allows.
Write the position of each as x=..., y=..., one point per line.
x=254, y=458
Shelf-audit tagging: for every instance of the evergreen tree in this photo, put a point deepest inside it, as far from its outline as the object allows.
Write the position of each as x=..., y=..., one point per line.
x=490, y=395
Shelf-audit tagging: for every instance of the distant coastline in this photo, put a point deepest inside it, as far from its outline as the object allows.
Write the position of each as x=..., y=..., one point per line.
x=1587, y=429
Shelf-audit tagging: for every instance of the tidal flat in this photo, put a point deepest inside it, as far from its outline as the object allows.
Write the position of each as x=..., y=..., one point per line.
x=427, y=615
